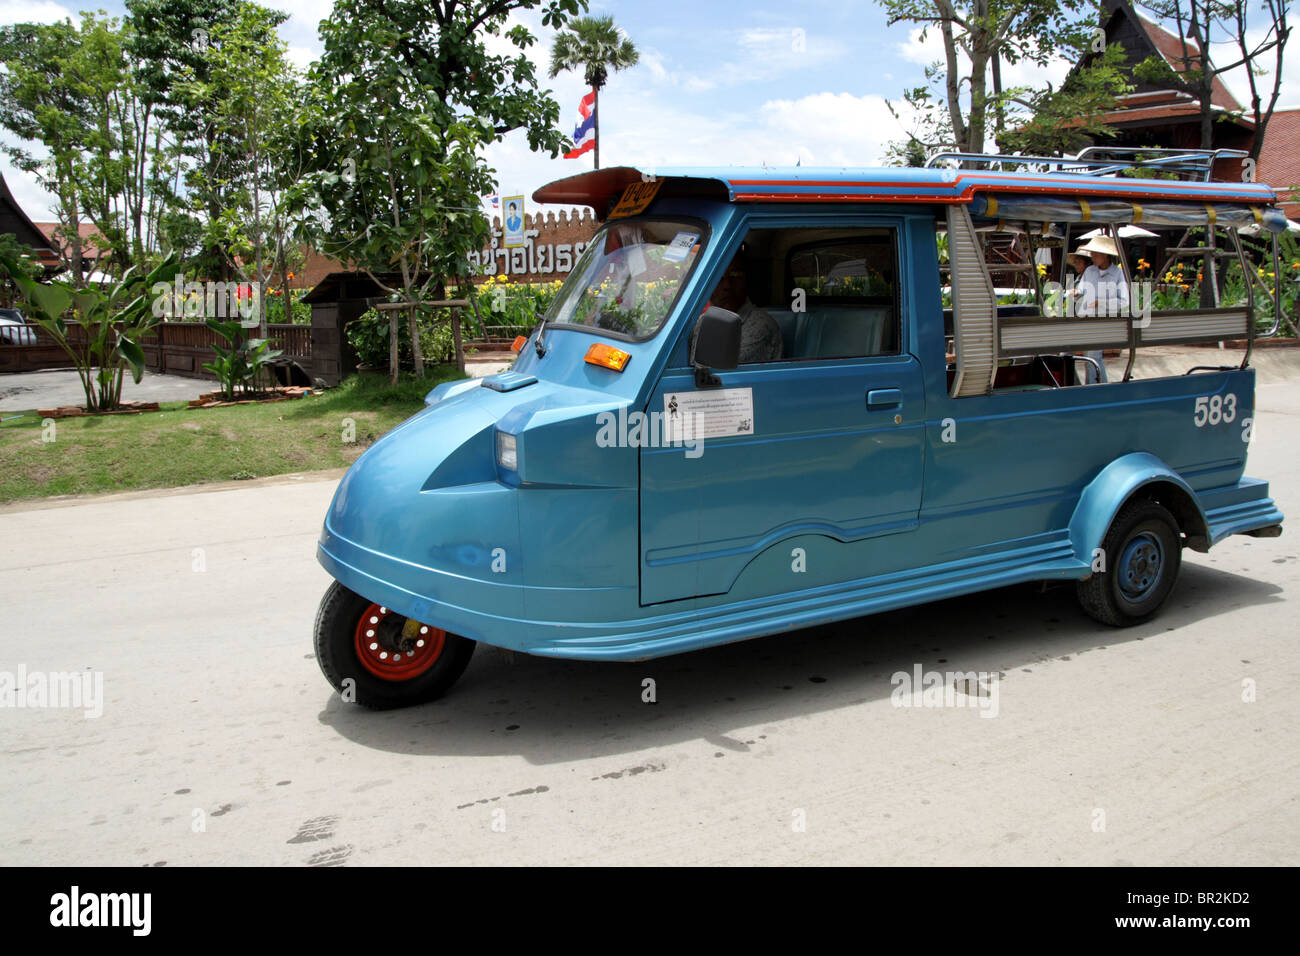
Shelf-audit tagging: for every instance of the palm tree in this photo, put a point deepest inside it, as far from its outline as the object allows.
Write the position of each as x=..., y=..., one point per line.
x=594, y=45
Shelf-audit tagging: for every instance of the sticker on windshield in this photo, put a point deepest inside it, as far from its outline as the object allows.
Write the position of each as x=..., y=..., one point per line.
x=676, y=250
x=709, y=413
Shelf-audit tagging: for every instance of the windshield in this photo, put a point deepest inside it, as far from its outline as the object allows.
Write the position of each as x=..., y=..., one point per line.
x=628, y=278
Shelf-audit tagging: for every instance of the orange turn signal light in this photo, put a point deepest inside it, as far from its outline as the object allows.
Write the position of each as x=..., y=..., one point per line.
x=607, y=356
x=518, y=343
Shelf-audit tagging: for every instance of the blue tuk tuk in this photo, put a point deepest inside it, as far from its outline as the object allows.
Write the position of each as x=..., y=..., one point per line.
x=768, y=399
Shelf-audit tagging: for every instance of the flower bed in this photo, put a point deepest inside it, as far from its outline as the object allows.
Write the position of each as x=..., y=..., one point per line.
x=277, y=394
x=79, y=411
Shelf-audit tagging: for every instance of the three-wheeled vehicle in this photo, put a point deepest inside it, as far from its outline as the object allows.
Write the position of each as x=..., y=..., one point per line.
x=768, y=399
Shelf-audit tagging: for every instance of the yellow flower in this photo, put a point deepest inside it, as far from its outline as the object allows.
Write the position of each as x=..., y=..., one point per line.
x=503, y=278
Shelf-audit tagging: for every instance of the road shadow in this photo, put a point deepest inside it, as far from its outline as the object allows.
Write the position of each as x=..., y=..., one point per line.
x=550, y=711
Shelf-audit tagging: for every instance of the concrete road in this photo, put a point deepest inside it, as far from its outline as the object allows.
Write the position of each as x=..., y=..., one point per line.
x=220, y=742
x=20, y=391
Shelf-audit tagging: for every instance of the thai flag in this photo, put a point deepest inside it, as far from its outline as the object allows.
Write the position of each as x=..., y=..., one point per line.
x=584, y=133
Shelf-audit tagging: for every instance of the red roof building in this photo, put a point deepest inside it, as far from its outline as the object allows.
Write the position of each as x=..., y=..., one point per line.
x=1279, y=159
x=15, y=222
x=1156, y=116
x=90, y=250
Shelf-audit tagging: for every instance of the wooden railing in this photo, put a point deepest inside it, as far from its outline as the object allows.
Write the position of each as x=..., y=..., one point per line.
x=174, y=347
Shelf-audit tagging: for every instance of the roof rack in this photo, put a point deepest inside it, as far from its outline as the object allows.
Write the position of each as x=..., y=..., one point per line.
x=1195, y=165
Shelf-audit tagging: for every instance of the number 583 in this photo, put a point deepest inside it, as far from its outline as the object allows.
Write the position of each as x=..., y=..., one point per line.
x=1213, y=409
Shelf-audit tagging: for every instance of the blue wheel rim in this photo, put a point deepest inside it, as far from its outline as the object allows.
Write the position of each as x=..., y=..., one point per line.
x=1141, y=567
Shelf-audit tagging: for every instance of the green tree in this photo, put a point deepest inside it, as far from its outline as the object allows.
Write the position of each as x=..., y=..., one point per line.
x=253, y=93
x=41, y=108
x=172, y=48
x=1204, y=24
x=1065, y=120
x=118, y=161
x=88, y=132
x=403, y=99
x=979, y=36
x=99, y=330
x=596, y=47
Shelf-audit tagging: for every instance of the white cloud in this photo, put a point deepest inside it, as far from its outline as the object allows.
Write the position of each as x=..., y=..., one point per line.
x=741, y=58
x=653, y=61
x=922, y=46
x=837, y=129
x=300, y=31
x=820, y=129
x=301, y=57
x=34, y=11
x=307, y=13
x=1027, y=73
x=1024, y=73
x=31, y=198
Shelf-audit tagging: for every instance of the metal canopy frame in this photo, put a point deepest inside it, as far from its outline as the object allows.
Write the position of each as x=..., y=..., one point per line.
x=1029, y=335
x=1196, y=165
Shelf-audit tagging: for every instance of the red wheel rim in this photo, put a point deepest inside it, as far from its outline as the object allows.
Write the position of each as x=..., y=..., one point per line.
x=387, y=653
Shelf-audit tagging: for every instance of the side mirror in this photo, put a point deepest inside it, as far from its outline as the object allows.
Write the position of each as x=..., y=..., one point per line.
x=717, y=340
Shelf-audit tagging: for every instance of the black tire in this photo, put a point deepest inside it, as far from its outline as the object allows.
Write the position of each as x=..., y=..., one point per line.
x=336, y=640
x=1143, y=552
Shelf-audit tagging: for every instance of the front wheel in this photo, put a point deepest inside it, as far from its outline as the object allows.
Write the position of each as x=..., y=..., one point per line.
x=1142, y=553
x=375, y=657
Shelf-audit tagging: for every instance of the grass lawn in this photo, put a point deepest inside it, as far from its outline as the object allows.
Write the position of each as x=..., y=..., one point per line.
x=185, y=446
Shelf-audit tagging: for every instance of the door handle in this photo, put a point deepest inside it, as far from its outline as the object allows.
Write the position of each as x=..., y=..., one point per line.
x=884, y=397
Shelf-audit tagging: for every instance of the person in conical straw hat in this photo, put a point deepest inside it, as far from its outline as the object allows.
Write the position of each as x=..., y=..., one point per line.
x=1103, y=291
x=1102, y=246
x=1078, y=260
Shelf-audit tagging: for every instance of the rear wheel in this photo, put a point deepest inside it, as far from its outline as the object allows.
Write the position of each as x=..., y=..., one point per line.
x=1142, y=552
x=375, y=657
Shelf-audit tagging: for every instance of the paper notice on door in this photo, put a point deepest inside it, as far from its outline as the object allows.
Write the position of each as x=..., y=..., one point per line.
x=708, y=413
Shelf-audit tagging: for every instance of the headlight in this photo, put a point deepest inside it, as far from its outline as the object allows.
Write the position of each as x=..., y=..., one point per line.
x=507, y=451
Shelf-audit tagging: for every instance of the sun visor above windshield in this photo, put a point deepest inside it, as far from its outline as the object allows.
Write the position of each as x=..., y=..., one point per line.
x=601, y=188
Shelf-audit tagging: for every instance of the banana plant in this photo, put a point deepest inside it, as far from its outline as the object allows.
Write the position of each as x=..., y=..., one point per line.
x=241, y=365
x=112, y=324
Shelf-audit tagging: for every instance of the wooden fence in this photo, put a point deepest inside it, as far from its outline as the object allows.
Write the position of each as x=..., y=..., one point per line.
x=176, y=348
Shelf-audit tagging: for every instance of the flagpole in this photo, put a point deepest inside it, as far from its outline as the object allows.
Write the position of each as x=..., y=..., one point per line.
x=595, y=115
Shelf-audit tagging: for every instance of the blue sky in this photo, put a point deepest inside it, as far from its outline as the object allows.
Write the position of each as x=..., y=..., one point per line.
x=718, y=84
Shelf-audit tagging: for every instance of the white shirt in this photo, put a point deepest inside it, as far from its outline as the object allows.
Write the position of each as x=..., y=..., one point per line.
x=1102, y=292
